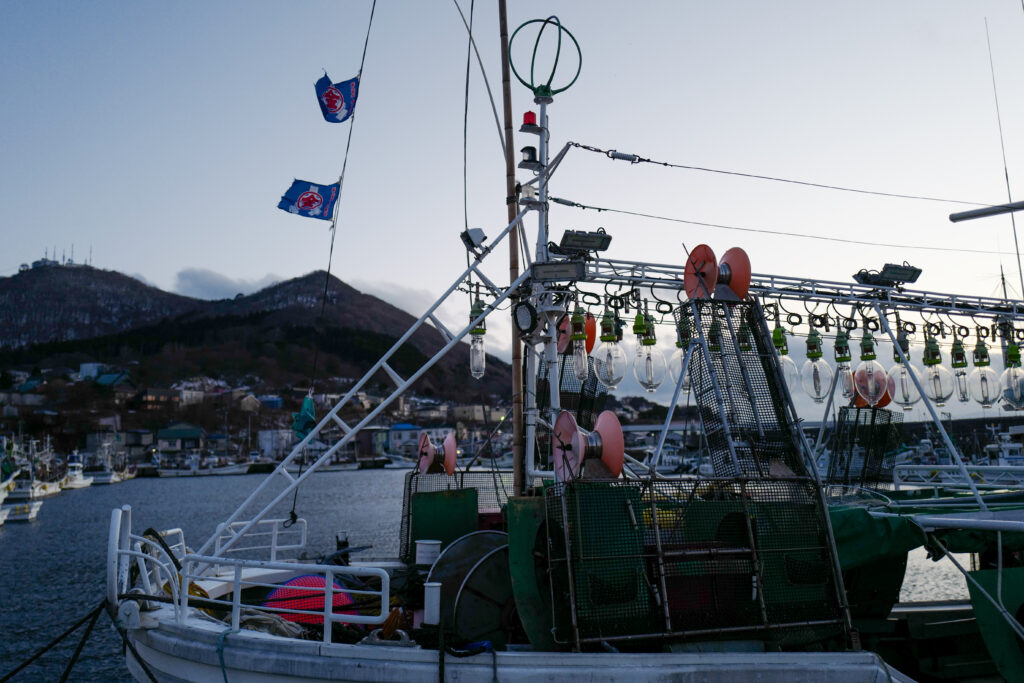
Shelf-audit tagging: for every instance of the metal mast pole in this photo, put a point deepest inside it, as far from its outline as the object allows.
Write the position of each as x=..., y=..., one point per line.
x=519, y=478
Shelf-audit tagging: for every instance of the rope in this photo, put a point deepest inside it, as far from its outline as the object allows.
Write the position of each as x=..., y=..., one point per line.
x=577, y=205
x=135, y=653
x=341, y=186
x=81, y=643
x=220, y=652
x=91, y=616
x=636, y=159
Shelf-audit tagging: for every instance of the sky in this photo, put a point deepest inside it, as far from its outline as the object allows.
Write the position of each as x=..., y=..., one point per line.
x=157, y=138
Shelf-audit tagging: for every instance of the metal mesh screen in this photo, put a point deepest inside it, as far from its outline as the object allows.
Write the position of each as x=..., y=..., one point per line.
x=865, y=446
x=584, y=399
x=493, y=490
x=711, y=558
x=739, y=392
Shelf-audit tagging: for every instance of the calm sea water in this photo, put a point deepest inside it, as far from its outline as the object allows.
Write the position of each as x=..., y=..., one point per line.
x=52, y=571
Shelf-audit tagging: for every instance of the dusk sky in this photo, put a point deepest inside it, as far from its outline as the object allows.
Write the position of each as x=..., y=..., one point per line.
x=159, y=137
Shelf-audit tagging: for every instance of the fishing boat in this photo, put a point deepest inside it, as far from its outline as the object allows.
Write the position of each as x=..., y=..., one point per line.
x=193, y=467
x=26, y=511
x=75, y=477
x=583, y=563
x=107, y=468
x=40, y=477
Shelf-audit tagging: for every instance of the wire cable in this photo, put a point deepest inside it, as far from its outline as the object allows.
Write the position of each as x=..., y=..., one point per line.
x=636, y=159
x=487, y=83
x=781, y=233
x=341, y=187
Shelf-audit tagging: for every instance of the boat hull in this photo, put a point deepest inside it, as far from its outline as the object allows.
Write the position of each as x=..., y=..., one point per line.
x=35, y=491
x=24, y=511
x=189, y=652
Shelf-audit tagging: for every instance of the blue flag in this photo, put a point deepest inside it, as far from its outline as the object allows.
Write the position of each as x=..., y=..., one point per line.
x=337, y=100
x=313, y=201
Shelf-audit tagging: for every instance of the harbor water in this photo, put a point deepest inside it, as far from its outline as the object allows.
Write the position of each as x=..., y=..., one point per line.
x=52, y=571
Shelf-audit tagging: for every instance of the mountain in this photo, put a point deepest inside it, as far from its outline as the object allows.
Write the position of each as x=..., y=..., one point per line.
x=59, y=315
x=58, y=303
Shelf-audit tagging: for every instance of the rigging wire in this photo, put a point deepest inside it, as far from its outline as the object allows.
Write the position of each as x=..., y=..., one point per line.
x=487, y=83
x=636, y=159
x=341, y=187
x=1002, y=145
x=577, y=205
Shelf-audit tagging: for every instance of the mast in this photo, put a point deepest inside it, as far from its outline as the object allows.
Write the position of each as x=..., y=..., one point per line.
x=519, y=478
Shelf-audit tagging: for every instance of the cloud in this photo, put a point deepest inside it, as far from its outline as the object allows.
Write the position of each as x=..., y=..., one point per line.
x=207, y=284
x=142, y=278
x=454, y=313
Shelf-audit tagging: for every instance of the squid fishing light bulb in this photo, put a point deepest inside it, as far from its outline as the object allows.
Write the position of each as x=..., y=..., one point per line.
x=958, y=359
x=649, y=367
x=578, y=338
x=901, y=376
x=983, y=382
x=843, y=357
x=816, y=374
x=869, y=379
x=938, y=381
x=675, y=363
x=1011, y=382
x=788, y=366
x=609, y=359
x=477, y=354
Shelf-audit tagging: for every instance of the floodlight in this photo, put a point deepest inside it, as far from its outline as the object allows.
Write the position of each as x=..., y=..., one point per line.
x=892, y=275
x=525, y=317
x=581, y=240
x=559, y=270
x=473, y=238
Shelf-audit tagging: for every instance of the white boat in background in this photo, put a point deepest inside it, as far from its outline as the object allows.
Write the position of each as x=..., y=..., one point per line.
x=75, y=477
x=5, y=488
x=22, y=512
x=193, y=468
x=4, y=512
x=28, y=486
x=27, y=489
x=104, y=471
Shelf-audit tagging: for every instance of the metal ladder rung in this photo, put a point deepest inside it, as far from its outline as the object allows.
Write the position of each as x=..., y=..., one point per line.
x=395, y=377
x=341, y=423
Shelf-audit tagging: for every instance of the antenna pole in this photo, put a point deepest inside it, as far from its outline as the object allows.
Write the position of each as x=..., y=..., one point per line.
x=518, y=469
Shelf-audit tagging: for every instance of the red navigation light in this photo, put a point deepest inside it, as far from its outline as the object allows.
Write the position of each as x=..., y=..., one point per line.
x=529, y=119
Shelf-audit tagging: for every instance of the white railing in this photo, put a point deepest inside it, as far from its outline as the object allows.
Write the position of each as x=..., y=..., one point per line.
x=216, y=583
x=983, y=476
x=273, y=535
x=370, y=606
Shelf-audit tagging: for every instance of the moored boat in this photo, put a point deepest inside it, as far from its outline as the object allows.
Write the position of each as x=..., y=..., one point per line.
x=582, y=563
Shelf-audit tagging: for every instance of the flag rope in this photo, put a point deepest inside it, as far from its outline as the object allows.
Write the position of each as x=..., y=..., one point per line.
x=337, y=204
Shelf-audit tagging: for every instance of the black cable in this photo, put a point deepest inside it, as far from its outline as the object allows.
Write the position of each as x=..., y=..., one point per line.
x=465, y=125
x=127, y=643
x=81, y=643
x=635, y=159
x=91, y=615
x=577, y=205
